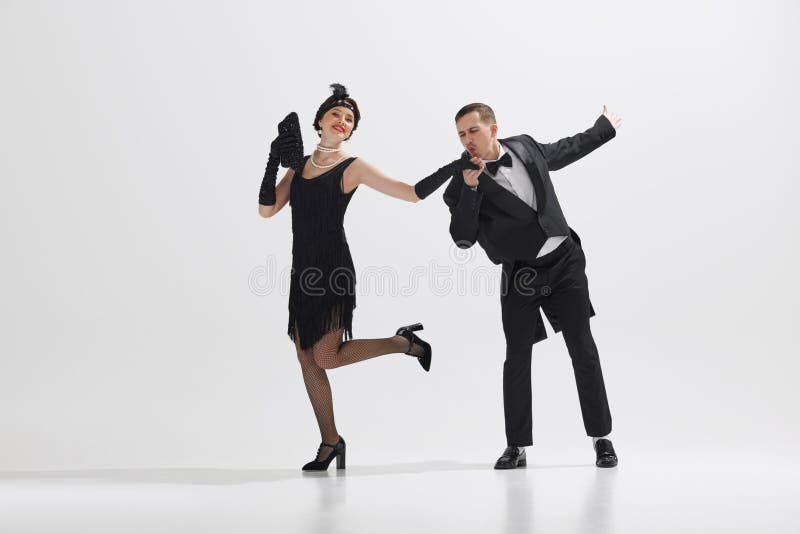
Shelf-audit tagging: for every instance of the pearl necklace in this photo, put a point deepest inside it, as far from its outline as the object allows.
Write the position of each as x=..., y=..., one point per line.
x=317, y=165
x=327, y=149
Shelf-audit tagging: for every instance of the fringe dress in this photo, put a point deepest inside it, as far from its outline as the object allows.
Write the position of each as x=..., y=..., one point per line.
x=322, y=290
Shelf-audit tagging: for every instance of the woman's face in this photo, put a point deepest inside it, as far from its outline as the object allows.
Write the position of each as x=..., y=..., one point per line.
x=337, y=124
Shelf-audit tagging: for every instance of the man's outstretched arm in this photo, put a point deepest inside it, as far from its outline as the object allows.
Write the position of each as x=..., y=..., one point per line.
x=571, y=149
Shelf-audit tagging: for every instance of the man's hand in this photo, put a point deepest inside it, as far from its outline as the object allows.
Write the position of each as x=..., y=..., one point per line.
x=471, y=176
x=613, y=118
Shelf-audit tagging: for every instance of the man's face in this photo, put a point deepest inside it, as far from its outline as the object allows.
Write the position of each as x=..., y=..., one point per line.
x=478, y=138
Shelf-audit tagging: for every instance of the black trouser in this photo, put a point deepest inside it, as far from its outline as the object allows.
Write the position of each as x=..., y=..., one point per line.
x=557, y=283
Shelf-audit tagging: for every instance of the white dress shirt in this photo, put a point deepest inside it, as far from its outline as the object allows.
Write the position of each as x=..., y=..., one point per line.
x=515, y=179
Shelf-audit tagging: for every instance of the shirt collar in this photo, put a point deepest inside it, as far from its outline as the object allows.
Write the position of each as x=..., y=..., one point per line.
x=499, y=154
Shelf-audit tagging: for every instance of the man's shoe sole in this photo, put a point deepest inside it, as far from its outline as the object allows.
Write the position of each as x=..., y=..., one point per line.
x=522, y=463
x=606, y=465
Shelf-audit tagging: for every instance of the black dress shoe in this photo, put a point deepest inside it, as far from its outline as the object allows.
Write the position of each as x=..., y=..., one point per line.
x=606, y=457
x=408, y=333
x=512, y=458
x=338, y=452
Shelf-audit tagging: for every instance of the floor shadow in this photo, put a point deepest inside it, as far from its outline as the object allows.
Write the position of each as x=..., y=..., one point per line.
x=206, y=476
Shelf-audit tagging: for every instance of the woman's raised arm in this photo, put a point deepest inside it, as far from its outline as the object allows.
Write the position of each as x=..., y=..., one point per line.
x=364, y=173
x=281, y=196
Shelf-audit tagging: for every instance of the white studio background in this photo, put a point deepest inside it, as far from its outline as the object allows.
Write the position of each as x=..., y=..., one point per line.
x=134, y=137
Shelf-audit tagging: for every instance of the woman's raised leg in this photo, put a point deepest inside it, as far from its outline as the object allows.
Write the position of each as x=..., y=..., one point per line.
x=330, y=352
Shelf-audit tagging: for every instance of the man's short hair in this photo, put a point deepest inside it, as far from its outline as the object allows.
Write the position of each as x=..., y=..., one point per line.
x=485, y=113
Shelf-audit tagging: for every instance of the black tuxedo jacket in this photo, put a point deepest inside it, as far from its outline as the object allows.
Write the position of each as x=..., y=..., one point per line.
x=499, y=220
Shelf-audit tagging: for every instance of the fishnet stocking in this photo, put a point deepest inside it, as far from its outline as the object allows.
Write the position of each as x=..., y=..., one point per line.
x=327, y=353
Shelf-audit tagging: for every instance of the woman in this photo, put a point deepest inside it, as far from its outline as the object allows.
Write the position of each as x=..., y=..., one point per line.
x=322, y=295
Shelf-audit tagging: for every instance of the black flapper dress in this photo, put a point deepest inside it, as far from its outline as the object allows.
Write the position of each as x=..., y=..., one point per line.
x=322, y=292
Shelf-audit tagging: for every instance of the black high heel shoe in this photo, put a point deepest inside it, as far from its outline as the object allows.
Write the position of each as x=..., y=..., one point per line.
x=408, y=333
x=339, y=450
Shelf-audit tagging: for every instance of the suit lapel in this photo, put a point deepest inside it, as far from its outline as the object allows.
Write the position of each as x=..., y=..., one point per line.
x=488, y=185
x=503, y=198
x=526, y=157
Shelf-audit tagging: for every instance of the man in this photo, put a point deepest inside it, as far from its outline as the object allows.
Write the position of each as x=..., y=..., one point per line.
x=510, y=207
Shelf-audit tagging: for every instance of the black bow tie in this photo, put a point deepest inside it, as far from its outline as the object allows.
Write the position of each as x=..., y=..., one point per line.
x=505, y=161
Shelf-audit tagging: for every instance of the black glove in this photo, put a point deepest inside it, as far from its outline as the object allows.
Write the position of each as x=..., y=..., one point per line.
x=431, y=183
x=286, y=149
x=279, y=145
x=266, y=196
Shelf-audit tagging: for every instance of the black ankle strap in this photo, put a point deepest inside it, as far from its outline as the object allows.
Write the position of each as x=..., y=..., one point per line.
x=323, y=444
x=404, y=333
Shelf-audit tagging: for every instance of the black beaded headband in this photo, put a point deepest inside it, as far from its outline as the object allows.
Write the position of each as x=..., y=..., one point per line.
x=343, y=103
x=339, y=93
